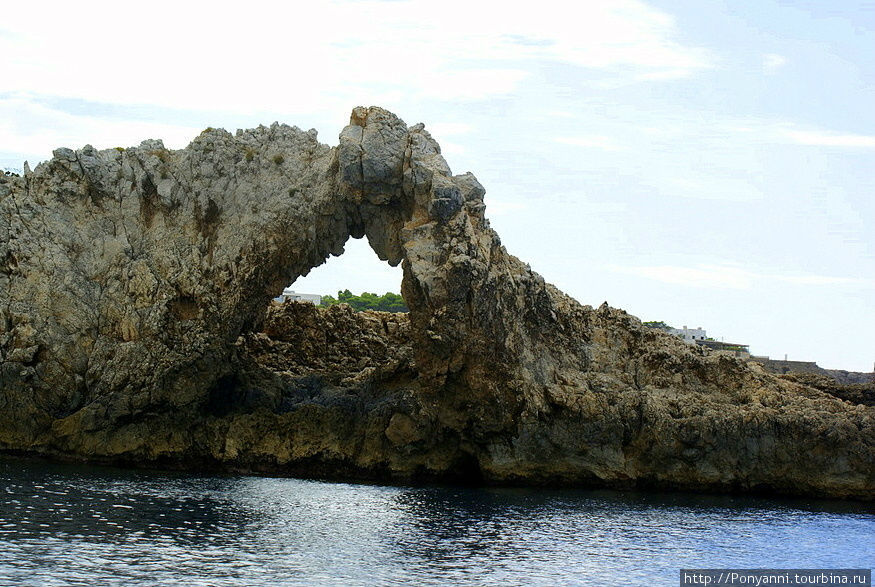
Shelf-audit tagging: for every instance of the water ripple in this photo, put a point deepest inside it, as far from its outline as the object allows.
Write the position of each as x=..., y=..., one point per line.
x=64, y=525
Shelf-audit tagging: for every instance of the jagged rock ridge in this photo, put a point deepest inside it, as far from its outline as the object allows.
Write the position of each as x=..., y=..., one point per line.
x=135, y=285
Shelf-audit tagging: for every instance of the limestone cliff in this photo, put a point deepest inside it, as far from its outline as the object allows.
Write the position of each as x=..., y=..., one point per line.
x=132, y=330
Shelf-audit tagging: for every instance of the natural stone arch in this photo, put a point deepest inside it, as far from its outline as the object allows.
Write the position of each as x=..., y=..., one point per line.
x=129, y=276
x=143, y=265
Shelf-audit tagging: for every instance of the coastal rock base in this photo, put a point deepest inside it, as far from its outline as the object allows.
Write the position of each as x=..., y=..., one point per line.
x=135, y=327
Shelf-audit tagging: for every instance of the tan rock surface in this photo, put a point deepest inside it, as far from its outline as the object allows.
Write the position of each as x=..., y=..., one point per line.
x=132, y=329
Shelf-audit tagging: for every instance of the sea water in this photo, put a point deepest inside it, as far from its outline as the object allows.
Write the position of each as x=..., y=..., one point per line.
x=78, y=525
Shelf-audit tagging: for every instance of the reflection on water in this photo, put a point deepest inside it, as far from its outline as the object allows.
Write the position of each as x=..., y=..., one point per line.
x=66, y=525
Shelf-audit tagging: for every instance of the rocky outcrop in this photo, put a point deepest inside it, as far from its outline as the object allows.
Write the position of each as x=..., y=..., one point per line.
x=843, y=377
x=128, y=274
x=132, y=329
x=334, y=344
x=806, y=368
x=862, y=393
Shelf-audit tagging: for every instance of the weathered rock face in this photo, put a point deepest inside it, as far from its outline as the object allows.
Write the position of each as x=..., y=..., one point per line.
x=132, y=329
x=128, y=275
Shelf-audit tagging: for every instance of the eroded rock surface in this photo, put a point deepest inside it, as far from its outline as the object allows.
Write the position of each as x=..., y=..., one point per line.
x=132, y=329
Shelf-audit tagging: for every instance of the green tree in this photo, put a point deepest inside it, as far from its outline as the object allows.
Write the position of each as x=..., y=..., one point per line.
x=388, y=302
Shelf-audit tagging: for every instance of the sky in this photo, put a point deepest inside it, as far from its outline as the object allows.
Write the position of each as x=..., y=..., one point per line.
x=699, y=162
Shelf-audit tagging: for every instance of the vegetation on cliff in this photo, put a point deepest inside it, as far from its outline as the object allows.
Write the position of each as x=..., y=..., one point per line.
x=388, y=302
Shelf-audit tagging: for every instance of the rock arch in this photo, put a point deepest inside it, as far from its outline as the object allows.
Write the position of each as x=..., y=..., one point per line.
x=129, y=276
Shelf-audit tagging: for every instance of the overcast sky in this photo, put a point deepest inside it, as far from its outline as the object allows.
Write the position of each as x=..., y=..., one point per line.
x=699, y=162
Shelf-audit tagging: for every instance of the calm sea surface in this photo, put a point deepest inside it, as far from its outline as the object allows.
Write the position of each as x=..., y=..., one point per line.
x=73, y=525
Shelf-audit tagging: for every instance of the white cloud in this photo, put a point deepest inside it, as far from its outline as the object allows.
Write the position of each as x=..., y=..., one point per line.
x=500, y=207
x=718, y=184
x=770, y=131
x=666, y=74
x=439, y=130
x=450, y=148
x=731, y=276
x=467, y=84
x=822, y=280
x=829, y=139
x=446, y=129
x=772, y=62
x=319, y=56
x=303, y=59
x=700, y=276
x=34, y=130
x=590, y=141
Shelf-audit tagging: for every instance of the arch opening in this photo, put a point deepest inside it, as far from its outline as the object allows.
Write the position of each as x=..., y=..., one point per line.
x=357, y=269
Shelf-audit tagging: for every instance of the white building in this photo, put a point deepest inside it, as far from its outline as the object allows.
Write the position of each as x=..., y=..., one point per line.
x=290, y=294
x=689, y=335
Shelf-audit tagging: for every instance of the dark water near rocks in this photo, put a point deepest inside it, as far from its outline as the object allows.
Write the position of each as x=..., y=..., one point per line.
x=71, y=525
